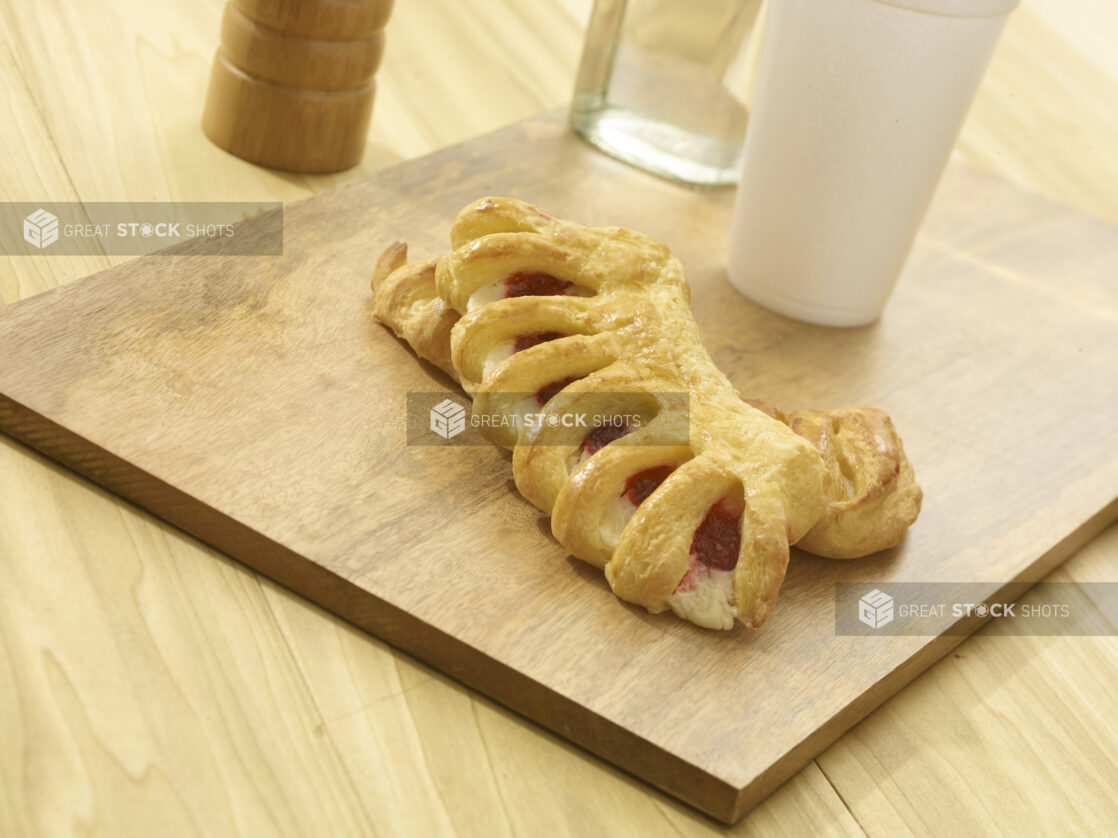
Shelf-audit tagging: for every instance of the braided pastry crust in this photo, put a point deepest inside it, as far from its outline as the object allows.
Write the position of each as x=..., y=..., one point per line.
x=695, y=509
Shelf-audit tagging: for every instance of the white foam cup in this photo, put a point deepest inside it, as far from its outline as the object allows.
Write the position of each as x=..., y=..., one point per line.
x=856, y=107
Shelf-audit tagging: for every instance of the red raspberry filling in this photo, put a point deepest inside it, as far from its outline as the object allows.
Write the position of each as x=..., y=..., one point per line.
x=602, y=436
x=531, y=339
x=522, y=284
x=717, y=541
x=644, y=483
x=549, y=390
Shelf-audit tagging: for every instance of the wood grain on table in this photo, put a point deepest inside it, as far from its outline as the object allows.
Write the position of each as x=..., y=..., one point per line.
x=151, y=685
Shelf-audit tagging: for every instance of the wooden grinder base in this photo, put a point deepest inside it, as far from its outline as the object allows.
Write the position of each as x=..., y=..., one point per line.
x=292, y=83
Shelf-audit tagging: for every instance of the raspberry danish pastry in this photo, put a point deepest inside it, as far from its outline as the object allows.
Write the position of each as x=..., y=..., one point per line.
x=692, y=505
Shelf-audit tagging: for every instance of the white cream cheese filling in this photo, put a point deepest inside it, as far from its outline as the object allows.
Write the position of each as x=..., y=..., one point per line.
x=497, y=355
x=486, y=294
x=615, y=517
x=707, y=598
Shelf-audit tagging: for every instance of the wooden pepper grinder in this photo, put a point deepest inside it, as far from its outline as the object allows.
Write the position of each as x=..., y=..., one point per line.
x=292, y=82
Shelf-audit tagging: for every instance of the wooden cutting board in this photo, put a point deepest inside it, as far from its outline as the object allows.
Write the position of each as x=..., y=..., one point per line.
x=253, y=402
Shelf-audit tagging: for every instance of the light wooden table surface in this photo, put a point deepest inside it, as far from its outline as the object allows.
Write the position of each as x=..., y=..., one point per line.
x=149, y=685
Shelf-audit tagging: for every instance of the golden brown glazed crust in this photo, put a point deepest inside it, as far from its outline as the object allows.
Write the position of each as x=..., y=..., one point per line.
x=633, y=334
x=870, y=482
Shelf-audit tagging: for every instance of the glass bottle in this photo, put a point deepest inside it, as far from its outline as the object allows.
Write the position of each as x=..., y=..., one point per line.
x=664, y=85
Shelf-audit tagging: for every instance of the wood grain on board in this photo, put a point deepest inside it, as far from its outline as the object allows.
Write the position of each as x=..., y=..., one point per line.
x=253, y=402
